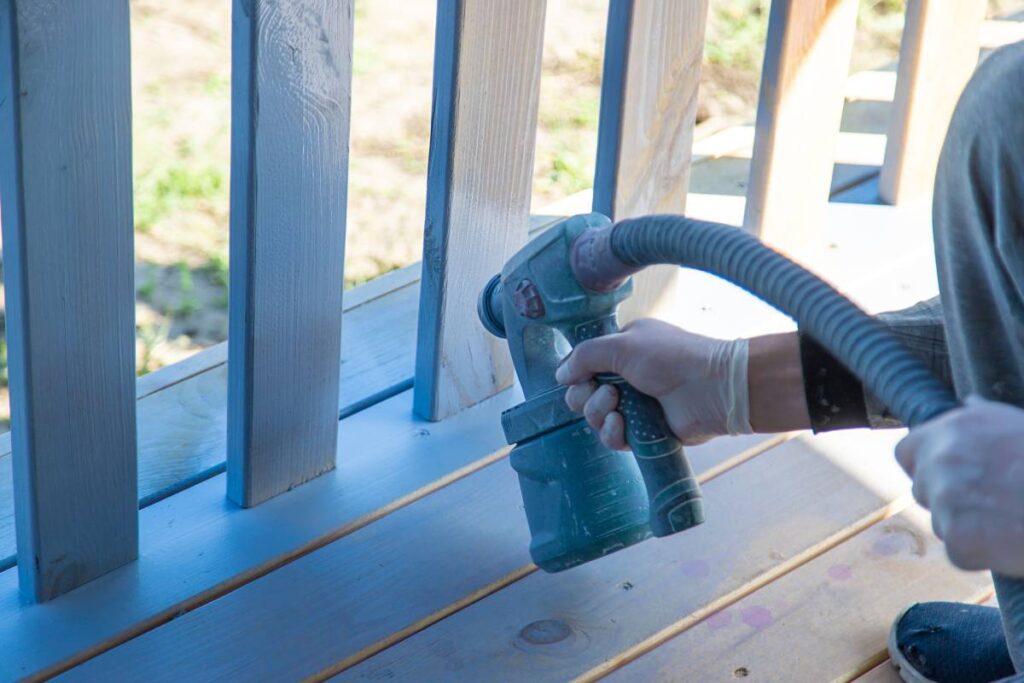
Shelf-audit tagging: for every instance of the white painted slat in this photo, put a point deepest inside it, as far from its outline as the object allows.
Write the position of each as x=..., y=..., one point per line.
x=292, y=65
x=941, y=41
x=66, y=186
x=652, y=61
x=486, y=89
x=806, y=62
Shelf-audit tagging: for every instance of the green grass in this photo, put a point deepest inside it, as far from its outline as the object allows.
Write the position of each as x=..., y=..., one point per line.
x=216, y=268
x=571, y=171
x=188, y=304
x=571, y=114
x=174, y=188
x=147, y=289
x=150, y=335
x=737, y=34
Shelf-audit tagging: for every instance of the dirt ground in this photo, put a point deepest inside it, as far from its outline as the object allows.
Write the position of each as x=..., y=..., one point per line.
x=181, y=103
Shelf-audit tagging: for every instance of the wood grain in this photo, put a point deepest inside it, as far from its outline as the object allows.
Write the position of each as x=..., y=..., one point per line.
x=291, y=91
x=195, y=546
x=652, y=61
x=807, y=58
x=66, y=184
x=759, y=515
x=486, y=90
x=937, y=57
x=865, y=582
x=355, y=593
x=182, y=413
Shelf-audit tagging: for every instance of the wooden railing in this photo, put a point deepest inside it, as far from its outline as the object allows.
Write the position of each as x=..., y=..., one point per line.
x=66, y=190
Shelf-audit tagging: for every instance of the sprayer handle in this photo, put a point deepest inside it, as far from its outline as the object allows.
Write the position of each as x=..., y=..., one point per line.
x=673, y=491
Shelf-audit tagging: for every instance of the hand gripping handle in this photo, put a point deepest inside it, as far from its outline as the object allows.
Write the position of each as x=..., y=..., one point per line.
x=673, y=491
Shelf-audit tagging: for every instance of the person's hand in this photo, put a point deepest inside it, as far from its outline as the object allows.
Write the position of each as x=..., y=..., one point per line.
x=968, y=469
x=700, y=382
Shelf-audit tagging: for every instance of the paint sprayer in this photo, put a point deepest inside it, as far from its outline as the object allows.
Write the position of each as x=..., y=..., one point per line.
x=583, y=500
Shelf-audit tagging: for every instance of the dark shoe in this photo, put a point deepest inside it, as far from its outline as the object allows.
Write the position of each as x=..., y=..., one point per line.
x=949, y=642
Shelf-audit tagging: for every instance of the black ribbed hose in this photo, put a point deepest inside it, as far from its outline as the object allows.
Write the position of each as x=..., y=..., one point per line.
x=603, y=258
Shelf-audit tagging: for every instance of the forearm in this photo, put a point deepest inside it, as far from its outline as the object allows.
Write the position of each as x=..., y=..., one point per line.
x=794, y=383
x=775, y=384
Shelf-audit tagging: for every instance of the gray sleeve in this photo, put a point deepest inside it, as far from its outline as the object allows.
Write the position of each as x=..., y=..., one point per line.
x=921, y=328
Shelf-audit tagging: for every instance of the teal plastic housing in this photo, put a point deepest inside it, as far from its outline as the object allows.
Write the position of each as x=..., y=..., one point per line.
x=582, y=500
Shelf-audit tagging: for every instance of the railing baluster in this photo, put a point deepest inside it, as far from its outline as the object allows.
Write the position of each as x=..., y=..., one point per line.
x=66, y=187
x=652, y=62
x=291, y=75
x=806, y=62
x=486, y=88
x=937, y=56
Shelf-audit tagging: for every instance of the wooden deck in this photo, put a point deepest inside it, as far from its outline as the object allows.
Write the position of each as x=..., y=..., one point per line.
x=410, y=562
x=812, y=544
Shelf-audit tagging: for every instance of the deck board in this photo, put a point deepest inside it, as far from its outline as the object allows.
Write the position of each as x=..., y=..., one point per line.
x=196, y=546
x=395, y=576
x=182, y=408
x=833, y=614
x=762, y=515
x=455, y=608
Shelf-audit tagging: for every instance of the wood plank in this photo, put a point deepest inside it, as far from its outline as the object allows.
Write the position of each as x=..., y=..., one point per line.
x=66, y=183
x=937, y=57
x=195, y=547
x=182, y=429
x=484, y=121
x=883, y=673
x=182, y=416
x=807, y=57
x=652, y=61
x=828, y=620
x=354, y=595
x=767, y=515
x=290, y=101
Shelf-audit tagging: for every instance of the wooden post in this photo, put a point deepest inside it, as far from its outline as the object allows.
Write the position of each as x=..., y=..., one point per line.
x=291, y=64
x=937, y=57
x=652, y=63
x=486, y=88
x=806, y=62
x=66, y=187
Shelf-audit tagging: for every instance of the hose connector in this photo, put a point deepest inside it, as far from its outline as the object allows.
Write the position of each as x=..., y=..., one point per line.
x=595, y=264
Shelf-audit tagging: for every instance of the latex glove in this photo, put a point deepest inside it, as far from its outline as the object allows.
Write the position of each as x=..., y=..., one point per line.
x=700, y=382
x=968, y=469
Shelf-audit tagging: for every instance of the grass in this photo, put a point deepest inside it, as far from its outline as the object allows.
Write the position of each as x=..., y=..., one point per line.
x=188, y=303
x=174, y=188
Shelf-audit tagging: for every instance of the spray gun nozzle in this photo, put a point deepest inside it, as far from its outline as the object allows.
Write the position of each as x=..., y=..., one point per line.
x=489, y=308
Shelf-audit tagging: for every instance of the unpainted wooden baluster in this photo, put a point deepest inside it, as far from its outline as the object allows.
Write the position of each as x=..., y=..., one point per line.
x=937, y=56
x=806, y=62
x=652, y=62
x=66, y=187
x=291, y=82
x=486, y=88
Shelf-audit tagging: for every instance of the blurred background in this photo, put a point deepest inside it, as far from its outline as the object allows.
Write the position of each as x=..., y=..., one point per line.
x=181, y=90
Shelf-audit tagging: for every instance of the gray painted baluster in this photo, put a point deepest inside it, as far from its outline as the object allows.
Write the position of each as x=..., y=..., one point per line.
x=292, y=65
x=653, y=52
x=66, y=188
x=486, y=88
